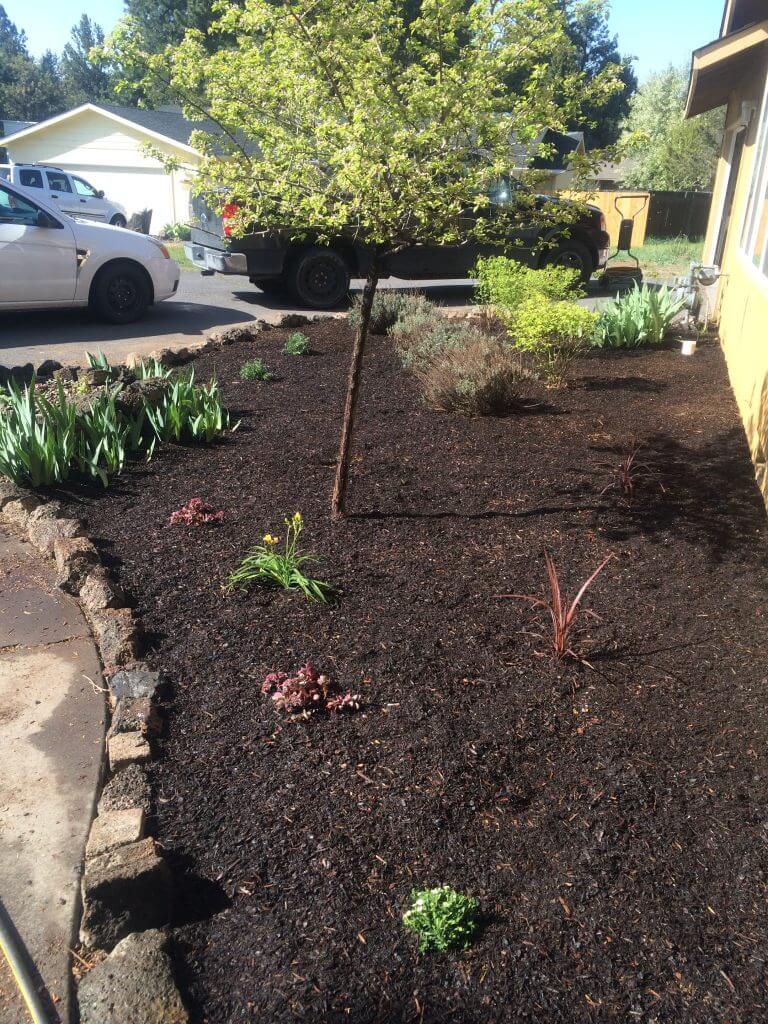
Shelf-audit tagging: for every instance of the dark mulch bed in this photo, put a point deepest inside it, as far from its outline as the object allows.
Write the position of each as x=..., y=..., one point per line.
x=613, y=822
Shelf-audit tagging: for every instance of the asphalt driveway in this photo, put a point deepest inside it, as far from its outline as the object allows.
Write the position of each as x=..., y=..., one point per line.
x=200, y=305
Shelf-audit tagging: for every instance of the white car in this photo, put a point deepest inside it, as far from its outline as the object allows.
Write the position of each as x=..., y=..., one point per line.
x=49, y=260
x=69, y=192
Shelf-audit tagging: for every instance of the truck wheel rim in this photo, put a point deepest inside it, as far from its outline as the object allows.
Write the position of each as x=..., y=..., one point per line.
x=321, y=278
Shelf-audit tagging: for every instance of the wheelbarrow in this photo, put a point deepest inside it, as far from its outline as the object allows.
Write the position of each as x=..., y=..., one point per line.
x=622, y=276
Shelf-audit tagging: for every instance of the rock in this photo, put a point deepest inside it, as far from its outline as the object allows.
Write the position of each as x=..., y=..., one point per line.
x=168, y=357
x=126, y=748
x=99, y=592
x=48, y=367
x=133, y=682
x=114, y=829
x=16, y=512
x=230, y=336
x=126, y=890
x=94, y=376
x=5, y=375
x=44, y=531
x=134, y=985
x=9, y=491
x=47, y=510
x=141, y=393
x=294, y=320
x=65, y=374
x=129, y=788
x=75, y=557
x=117, y=634
x=135, y=714
x=22, y=375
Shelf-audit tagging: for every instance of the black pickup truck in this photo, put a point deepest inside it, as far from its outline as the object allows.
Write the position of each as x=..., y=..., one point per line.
x=318, y=277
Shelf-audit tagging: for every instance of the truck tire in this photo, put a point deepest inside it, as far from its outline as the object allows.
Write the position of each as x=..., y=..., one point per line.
x=118, y=221
x=571, y=254
x=121, y=292
x=319, y=278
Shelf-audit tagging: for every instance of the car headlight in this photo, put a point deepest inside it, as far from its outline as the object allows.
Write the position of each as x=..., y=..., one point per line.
x=161, y=247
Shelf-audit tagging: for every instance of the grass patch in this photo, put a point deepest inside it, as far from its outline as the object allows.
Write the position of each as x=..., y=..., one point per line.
x=176, y=249
x=668, y=257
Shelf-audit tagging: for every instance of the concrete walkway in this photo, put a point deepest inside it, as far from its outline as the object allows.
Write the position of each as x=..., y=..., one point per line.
x=51, y=737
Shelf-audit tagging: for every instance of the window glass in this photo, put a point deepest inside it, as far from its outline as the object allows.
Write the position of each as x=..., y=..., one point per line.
x=58, y=182
x=754, y=239
x=31, y=179
x=15, y=210
x=82, y=187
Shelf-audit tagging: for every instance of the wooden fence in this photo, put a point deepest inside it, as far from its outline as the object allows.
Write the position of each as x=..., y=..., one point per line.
x=659, y=214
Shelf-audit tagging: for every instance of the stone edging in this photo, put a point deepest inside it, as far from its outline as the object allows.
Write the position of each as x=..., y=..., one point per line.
x=127, y=887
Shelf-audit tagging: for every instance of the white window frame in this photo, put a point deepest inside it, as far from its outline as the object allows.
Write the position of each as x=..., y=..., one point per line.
x=758, y=186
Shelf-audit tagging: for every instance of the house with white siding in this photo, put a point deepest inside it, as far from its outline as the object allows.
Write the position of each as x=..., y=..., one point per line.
x=104, y=144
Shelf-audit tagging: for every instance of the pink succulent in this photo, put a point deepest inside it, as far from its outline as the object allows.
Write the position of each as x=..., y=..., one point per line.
x=307, y=692
x=196, y=513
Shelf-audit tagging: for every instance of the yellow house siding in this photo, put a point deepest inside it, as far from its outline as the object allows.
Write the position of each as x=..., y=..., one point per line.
x=743, y=292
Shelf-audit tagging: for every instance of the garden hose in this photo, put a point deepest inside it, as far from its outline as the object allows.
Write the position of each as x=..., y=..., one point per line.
x=18, y=962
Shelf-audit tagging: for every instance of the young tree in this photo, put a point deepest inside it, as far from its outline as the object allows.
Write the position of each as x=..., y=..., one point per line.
x=83, y=75
x=670, y=152
x=369, y=126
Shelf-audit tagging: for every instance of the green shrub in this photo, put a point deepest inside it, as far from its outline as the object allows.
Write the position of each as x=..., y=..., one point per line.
x=507, y=286
x=255, y=369
x=388, y=307
x=176, y=232
x=481, y=376
x=641, y=316
x=296, y=345
x=442, y=918
x=554, y=333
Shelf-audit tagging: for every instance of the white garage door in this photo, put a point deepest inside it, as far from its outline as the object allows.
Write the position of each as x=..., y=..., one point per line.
x=138, y=189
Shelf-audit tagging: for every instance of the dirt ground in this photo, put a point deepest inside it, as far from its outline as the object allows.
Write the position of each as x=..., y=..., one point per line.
x=612, y=820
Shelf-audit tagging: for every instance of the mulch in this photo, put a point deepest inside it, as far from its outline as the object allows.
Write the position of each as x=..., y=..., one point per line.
x=612, y=820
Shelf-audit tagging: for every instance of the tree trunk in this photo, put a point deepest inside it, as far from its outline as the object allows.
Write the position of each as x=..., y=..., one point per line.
x=338, y=501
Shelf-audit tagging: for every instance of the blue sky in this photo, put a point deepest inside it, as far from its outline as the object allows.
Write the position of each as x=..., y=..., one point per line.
x=656, y=32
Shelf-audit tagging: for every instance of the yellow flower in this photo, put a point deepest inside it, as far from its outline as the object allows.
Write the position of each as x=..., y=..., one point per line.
x=269, y=539
x=297, y=517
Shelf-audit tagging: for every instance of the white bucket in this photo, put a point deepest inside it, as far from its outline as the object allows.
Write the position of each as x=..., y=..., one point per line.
x=688, y=347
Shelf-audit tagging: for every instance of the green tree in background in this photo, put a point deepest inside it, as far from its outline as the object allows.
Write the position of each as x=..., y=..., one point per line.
x=670, y=152
x=29, y=89
x=594, y=50
x=368, y=125
x=83, y=76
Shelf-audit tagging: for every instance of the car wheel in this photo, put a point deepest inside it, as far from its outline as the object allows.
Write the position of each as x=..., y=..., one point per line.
x=121, y=293
x=319, y=278
x=270, y=285
x=118, y=221
x=573, y=255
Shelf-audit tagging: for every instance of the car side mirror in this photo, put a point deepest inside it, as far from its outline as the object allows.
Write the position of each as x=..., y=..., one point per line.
x=44, y=220
x=100, y=194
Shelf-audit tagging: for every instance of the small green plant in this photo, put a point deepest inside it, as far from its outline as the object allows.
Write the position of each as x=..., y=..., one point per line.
x=176, y=232
x=442, y=918
x=266, y=564
x=296, y=345
x=641, y=316
x=98, y=362
x=189, y=410
x=388, y=307
x=555, y=334
x=255, y=369
x=152, y=369
x=38, y=437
